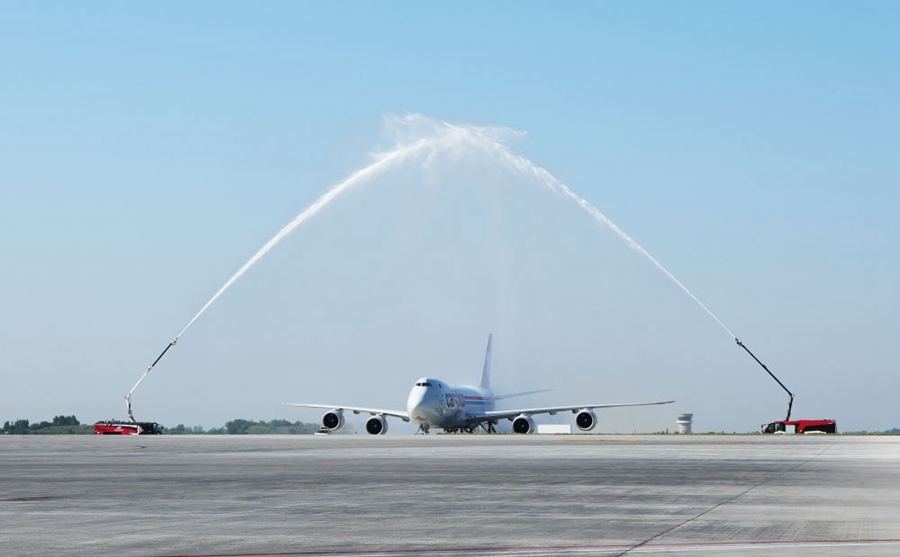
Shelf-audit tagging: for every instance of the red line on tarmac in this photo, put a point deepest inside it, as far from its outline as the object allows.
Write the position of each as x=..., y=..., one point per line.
x=419, y=551
x=500, y=549
x=773, y=542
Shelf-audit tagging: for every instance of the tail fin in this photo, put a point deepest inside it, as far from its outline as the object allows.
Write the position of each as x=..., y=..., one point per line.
x=511, y=395
x=486, y=370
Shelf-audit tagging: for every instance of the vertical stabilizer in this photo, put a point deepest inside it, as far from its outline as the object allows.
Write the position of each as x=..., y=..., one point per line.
x=486, y=370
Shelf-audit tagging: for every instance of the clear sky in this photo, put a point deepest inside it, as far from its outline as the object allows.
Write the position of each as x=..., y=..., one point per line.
x=147, y=150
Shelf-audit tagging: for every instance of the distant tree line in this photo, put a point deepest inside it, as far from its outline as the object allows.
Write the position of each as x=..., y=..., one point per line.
x=71, y=425
x=59, y=425
x=250, y=427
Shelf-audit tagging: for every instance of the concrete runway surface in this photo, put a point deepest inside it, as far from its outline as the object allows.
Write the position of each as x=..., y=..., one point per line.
x=449, y=495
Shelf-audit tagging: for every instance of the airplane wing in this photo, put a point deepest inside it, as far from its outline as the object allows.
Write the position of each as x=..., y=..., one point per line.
x=510, y=414
x=402, y=414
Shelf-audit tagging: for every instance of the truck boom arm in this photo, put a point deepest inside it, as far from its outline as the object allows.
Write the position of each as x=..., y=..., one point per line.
x=791, y=401
x=144, y=376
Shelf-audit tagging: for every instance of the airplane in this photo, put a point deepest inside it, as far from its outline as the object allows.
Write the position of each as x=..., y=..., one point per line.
x=435, y=404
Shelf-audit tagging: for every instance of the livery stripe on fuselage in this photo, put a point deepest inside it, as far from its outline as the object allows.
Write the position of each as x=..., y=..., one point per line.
x=479, y=401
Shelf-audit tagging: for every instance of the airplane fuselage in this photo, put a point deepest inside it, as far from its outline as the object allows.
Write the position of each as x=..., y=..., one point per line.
x=433, y=403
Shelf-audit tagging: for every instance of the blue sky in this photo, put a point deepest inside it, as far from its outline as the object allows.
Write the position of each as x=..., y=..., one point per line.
x=147, y=150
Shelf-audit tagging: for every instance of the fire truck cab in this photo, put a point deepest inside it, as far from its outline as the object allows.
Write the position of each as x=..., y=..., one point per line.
x=127, y=428
x=801, y=426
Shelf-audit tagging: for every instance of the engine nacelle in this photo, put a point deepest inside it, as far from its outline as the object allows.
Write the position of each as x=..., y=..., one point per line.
x=333, y=420
x=376, y=425
x=585, y=419
x=523, y=424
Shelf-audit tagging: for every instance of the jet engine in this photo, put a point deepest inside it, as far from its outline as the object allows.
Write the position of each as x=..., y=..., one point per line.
x=333, y=420
x=377, y=425
x=585, y=419
x=523, y=424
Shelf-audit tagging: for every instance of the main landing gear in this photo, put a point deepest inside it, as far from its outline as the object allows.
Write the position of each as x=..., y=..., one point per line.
x=487, y=427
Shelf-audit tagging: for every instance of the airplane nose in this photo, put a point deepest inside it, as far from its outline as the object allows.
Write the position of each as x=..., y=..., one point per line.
x=415, y=404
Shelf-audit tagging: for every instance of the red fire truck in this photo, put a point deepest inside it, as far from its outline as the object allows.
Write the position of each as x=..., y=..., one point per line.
x=127, y=428
x=801, y=426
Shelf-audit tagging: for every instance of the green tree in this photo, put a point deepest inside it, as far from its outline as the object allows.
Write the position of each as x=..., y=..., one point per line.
x=19, y=427
x=237, y=427
x=66, y=420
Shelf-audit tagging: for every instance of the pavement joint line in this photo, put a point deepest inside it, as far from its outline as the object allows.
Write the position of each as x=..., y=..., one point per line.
x=726, y=501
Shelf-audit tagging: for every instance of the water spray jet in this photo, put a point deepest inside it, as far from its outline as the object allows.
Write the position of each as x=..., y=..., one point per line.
x=383, y=161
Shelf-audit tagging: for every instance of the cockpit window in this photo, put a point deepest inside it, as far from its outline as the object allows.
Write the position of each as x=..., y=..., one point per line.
x=423, y=384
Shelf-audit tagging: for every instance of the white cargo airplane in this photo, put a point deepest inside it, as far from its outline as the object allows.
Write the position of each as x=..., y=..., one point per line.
x=433, y=403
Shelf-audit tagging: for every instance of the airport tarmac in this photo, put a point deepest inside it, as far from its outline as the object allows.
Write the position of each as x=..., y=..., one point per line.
x=449, y=495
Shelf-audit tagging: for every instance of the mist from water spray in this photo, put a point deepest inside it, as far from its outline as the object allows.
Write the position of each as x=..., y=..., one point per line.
x=418, y=135
x=490, y=140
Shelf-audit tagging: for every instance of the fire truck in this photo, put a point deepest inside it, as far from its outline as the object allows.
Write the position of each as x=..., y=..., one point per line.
x=127, y=428
x=801, y=426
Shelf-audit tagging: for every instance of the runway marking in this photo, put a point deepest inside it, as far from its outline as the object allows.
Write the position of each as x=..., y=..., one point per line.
x=585, y=439
x=544, y=549
x=128, y=449
x=703, y=442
